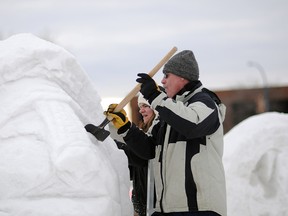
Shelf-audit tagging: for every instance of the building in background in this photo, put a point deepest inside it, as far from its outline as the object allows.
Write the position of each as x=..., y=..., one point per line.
x=243, y=103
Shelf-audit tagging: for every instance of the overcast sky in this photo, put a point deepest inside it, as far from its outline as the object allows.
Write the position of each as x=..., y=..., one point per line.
x=114, y=40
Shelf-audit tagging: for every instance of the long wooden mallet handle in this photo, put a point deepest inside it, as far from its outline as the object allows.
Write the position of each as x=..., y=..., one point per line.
x=136, y=89
x=98, y=131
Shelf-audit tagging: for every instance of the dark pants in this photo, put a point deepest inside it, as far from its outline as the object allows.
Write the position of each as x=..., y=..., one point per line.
x=202, y=213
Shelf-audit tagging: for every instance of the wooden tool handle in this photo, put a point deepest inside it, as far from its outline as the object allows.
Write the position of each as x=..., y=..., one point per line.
x=136, y=89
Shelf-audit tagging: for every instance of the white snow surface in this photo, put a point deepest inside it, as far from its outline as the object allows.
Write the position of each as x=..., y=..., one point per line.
x=49, y=164
x=256, y=165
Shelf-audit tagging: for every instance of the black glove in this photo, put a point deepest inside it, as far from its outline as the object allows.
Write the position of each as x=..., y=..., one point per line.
x=149, y=89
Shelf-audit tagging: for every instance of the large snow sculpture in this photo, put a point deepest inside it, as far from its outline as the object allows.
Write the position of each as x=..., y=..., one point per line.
x=49, y=164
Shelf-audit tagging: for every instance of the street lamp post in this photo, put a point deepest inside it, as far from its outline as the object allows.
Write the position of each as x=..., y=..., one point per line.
x=265, y=88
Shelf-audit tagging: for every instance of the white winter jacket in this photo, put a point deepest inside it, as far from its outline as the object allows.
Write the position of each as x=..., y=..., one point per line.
x=187, y=146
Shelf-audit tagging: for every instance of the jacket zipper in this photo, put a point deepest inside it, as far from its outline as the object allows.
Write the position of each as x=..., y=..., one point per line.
x=161, y=172
x=163, y=164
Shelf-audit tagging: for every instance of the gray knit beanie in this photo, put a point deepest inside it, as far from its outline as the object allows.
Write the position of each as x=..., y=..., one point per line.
x=183, y=64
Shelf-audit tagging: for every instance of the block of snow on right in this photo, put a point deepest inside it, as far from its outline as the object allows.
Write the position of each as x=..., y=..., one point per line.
x=256, y=164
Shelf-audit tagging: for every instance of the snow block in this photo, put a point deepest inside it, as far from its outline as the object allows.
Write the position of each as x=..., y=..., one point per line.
x=256, y=163
x=49, y=164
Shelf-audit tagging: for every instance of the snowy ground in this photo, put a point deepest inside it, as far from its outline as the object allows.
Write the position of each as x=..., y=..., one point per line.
x=50, y=166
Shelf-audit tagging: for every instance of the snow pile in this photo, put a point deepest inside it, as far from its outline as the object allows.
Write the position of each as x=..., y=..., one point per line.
x=49, y=164
x=256, y=165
